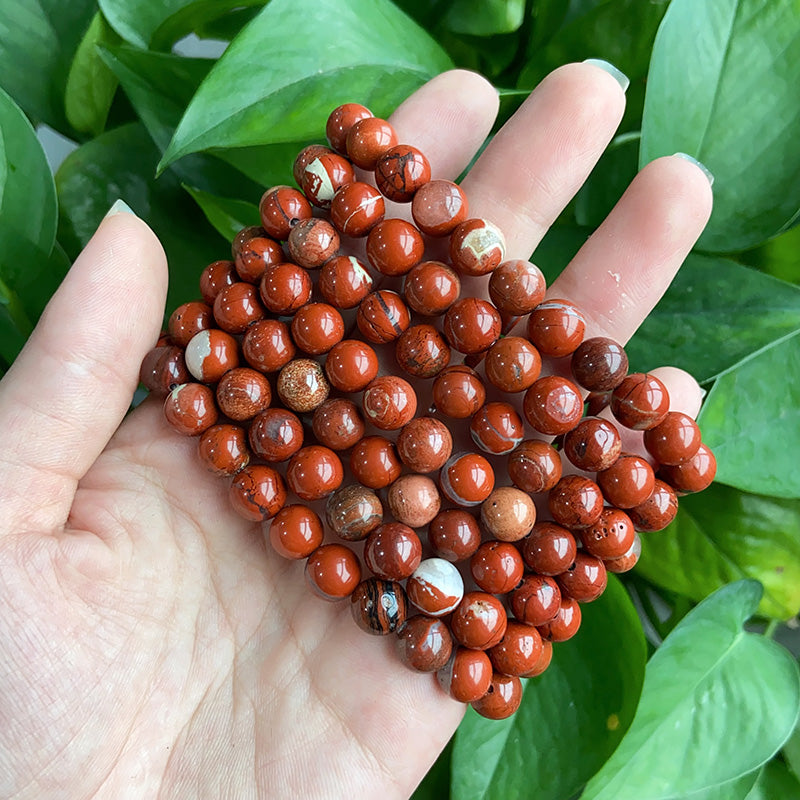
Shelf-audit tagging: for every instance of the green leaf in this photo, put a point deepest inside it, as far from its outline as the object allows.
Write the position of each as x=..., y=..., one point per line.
x=436, y=784
x=722, y=535
x=791, y=753
x=775, y=782
x=226, y=215
x=715, y=313
x=484, y=17
x=709, y=685
x=778, y=256
x=730, y=100
x=751, y=419
x=571, y=718
x=373, y=54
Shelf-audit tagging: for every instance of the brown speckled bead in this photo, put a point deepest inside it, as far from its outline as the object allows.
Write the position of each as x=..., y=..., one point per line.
x=295, y=532
x=627, y=482
x=534, y=466
x=413, y=500
x=479, y=622
x=257, y=492
x=223, y=449
x=302, y=385
x=317, y=327
x=611, y=536
x=575, y=502
x=353, y=512
x=242, y=393
x=508, y=514
x=344, y=281
x=424, y=444
x=556, y=327
x=267, y=345
x=553, y=405
x=458, y=392
x=467, y=675
x=536, y=600
x=544, y=659
x=472, y=325
x=304, y=158
x=454, y=534
x=210, y=354
x=693, y=475
x=584, y=580
x=674, y=440
x=237, y=306
x=640, y=402
x=594, y=444
x=322, y=176
x=424, y=643
x=655, y=513
x=163, y=368
x=357, y=208
x=477, y=247
x=276, y=434
x=333, y=571
x=431, y=287
x=379, y=607
x=421, y=351
x=281, y=208
x=374, y=462
x=368, y=139
x=496, y=428
x=502, y=698
x=513, y=364
x=565, y=624
x=467, y=479
x=599, y=364
x=243, y=237
x=312, y=242
x=284, y=288
x=626, y=562
x=497, y=567
x=435, y=587
x=394, y=246
x=187, y=320
x=190, y=408
x=255, y=256
x=314, y=472
x=215, y=277
x=337, y=424
x=549, y=548
x=389, y=402
x=400, y=171
x=351, y=365
x=439, y=207
x=340, y=121
x=516, y=287
x=382, y=316
x=518, y=651
x=392, y=551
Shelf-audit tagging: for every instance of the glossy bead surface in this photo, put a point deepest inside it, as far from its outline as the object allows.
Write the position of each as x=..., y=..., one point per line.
x=256, y=256
x=281, y=208
x=544, y=659
x=284, y=288
x=243, y=237
x=215, y=277
x=536, y=600
x=479, y=622
x=314, y=472
x=513, y=364
x=584, y=580
x=337, y=424
x=424, y=444
x=508, y=514
x=223, y=449
x=316, y=328
x=394, y=246
x=496, y=428
x=164, y=368
x=351, y=365
x=640, y=402
x=565, y=624
x=422, y=352
x=454, y=534
x=382, y=316
x=611, y=536
x=392, y=551
x=599, y=364
x=333, y=571
x=472, y=325
x=502, y=698
x=340, y=121
x=344, y=281
x=210, y=354
x=389, y=402
x=553, y=405
x=368, y=139
x=267, y=345
x=519, y=651
x=295, y=532
x=187, y=320
x=477, y=247
x=467, y=479
x=353, y=511
x=549, y=548
x=323, y=175
x=431, y=287
x=424, y=643
x=302, y=385
x=304, y=158
x=657, y=511
x=673, y=441
x=693, y=475
x=497, y=567
x=379, y=607
x=237, y=306
x=628, y=561
x=357, y=208
x=627, y=482
x=556, y=327
x=467, y=675
x=575, y=502
x=594, y=444
x=190, y=408
x=312, y=242
x=257, y=492
x=435, y=587
x=276, y=434
x=242, y=393
x=374, y=462
x=534, y=466
x=400, y=171
x=413, y=500
x=458, y=392
x=438, y=207
x=516, y=287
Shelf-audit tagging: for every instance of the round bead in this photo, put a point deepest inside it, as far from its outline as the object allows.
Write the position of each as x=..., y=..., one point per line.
x=164, y=368
x=513, y=364
x=479, y=622
x=516, y=287
x=276, y=434
x=389, y=402
x=281, y=208
x=611, y=536
x=536, y=600
x=400, y=171
x=508, y=514
x=544, y=659
x=594, y=444
x=351, y=365
x=267, y=345
x=337, y=424
x=312, y=242
x=304, y=158
x=640, y=402
x=584, y=580
x=467, y=479
x=431, y=288
x=553, y=405
x=340, y=121
x=477, y=247
x=496, y=428
x=302, y=386
x=333, y=571
x=534, y=466
x=424, y=444
x=673, y=441
x=556, y=327
x=413, y=500
x=243, y=236
x=599, y=364
x=317, y=327
x=374, y=462
x=655, y=513
x=565, y=624
x=502, y=698
x=223, y=449
x=394, y=246
x=295, y=532
x=392, y=551
x=353, y=512
x=519, y=651
x=497, y=567
x=379, y=607
x=628, y=482
x=472, y=325
x=421, y=351
x=257, y=492
x=314, y=472
x=693, y=475
x=357, y=208
x=242, y=393
x=237, y=306
x=215, y=277
x=210, y=354
x=454, y=534
x=284, y=288
x=255, y=256
x=467, y=675
x=382, y=316
x=597, y=402
x=549, y=549
x=368, y=140
x=187, y=320
x=344, y=281
x=458, y=392
x=575, y=502
x=626, y=562
x=190, y=408
x=439, y=207
x=424, y=643
x=323, y=175
x=435, y=587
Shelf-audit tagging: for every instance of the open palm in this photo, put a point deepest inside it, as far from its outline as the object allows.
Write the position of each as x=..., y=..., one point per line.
x=150, y=644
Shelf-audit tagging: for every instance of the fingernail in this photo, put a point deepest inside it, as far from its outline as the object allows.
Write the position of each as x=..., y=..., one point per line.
x=706, y=170
x=618, y=75
x=119, y=207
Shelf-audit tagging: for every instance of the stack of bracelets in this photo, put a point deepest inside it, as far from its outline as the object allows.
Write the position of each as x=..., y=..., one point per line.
x=263, y=374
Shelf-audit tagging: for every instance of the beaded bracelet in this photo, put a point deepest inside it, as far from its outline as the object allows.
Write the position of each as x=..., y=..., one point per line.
x=263, y=314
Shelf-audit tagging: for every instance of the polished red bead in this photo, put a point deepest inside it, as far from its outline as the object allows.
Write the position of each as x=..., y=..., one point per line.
x=657, y=511
x=382, y=317
x=368, y=139
x=584, y=580
x=512, y=364
x=267, y=345
x=424, y=643
x=439, y=207
x=314, y=472
x=519, y=651
x=628, y=561
x=435, y=587
x=394, y=246
x=477, y=247
x=640, y=402
x=281, y=208
x=353, y=512
x=413, y=500
x=516, y=287
x=333, y=571
x=344, y=281
x=374, y=462
x=467, y=479
x=575, y=502
x=497, y=567
x=190, y=408
x=317, y=327
x=565, y=624
x=479, y=622
x=673, y=441
x=627, y=482
x=472, y=325
x=556, y=327
x=223, y=449
x=424, y=444
x=323, y=175
x=302, y=386
x=393, y=551
x=242, y=393
x=458, y=392
x=357, y=208
x=553, y=405
x=594, y=444
x=243, y=237
x=312, y=242
x=534, y=466
x=502, y=698
x=389, y=402
x=295, y=532
x=164, y=368
x=454, y=534
x=467, y=675
x=237, y=306
x=544, y=659
x=496, y=428
x=255, y=256
x=536, y=600
x=215, y=277
x=337, y=424
x=549, y=548
x=257, y=492
x=599, y=364
x=276, y=434
x=422, y=352
x=304, y=158
x=693, y=475
x=351, y=365
x=400, y=171
x=611, y=536
x=431, y=287
x=284, y=288
x=187, y=320
x=341, y=120
x=210, y=354
x=508, y=514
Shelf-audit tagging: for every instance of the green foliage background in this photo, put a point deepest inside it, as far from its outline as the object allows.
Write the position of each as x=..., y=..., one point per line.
x=656, y=697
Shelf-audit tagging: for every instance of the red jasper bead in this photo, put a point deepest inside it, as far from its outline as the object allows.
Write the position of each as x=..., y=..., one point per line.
x=379, y=607
x=382, y=317
x=502, y=698
x=314, y=472
x=394, y=246
x=187, y=320
x=673, y=441
x=163, y=368
x=553, y=405
x=357, y=208
x=467, y=676
x=516, y=287
x=255, y=256
x=575, y=502
x=508, y=514
x=454, y=534
x=435, y=587
x=467, y=479
x=424, y=643
x=351, y=365
x=549, y=549
x=472, y=325
x=565, y=624
x=284, y=288
x=368, y=140
x=655, y=513
x=424, y=444
x=640, y=402
x=556, y=327
x=237, y=306
x=393, y=551
x=544, y=659
x=344, y=281
x=295, y=532
x=323, y=175
x=242, y=393
x=421, y=351
x=389, y=402
x=599, y=364
x=477, y=247
x=317, y=327
x=534, y=466
x=628, y=482
x=431, y=288
x=302, y=386
x=333, y=571
x=337, y=424
x=497, y=567
x=243, y=237
x=353, y=512
x=312, y=242
x=496, y=428
x=303, y=159
x=190, y=408
x=519, y=651
x=584, y=580
x=374, y=462
x=626, y=562
x=611, y=536
x=536, y=600
x=223, y=449
x=276, y=434
x=413, y=500
x=340, y=121
x=267, y=345
x=215, y=277
x=594, y=444
x=458, y=392
x=400, y=171
x=513, y=364
x=281, y=208
x=257, y=492
x=210, y=354
x=439, y=207
x=479, y=622
x=693, y=475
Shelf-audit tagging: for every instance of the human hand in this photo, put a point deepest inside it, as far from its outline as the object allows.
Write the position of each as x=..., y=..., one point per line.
x=149, y=642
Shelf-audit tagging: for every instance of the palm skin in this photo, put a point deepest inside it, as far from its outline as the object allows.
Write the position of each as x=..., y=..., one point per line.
x=150, y=644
